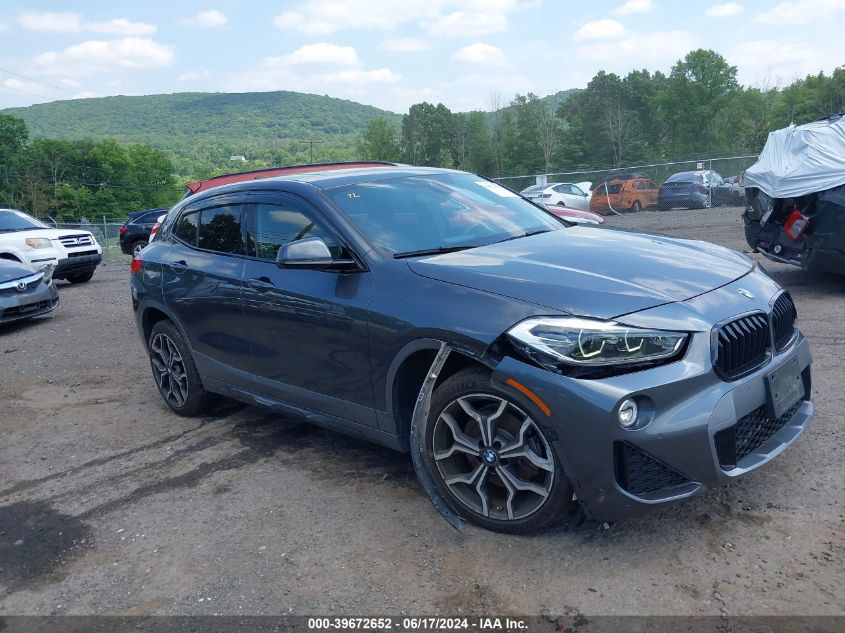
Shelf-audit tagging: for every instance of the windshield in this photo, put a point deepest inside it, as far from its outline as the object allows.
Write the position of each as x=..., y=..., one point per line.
x=444, y=211
x=686, y=176
x=17, y=221
x=533, y=189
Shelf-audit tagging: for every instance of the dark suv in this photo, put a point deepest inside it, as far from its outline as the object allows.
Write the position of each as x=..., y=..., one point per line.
x=533, y=369
x=135, y=232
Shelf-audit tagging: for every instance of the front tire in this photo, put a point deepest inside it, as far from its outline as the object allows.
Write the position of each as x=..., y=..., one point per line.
x=490, y=459
x=174, y=371
x=636, y=207
x=80, y=278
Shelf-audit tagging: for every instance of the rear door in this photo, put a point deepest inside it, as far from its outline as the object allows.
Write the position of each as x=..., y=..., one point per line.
x=308, y=329
x=201, y=275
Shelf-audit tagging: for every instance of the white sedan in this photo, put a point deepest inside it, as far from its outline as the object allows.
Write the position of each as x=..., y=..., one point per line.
x=567, y=194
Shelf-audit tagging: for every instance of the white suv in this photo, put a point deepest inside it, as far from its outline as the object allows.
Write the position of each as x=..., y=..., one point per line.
x=75, y=254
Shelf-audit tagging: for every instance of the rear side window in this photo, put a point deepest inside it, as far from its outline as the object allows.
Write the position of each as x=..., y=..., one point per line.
x=186, y=227
x=277, y=224
x=220, y=230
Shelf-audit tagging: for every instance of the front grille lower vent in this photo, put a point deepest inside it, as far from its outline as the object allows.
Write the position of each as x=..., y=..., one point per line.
x=742, y=345
x=783, y=320
x=641, y=474
x=749, y=434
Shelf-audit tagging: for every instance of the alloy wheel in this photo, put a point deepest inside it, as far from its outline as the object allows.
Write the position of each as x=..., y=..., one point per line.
x=139, y=246
x=169, y=370
x=493, y=457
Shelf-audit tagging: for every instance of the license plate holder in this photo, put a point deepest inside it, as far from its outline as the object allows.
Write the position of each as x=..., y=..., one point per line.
x=784, y=387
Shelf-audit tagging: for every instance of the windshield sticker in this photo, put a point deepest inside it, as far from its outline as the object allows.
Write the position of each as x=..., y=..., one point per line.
x=499, y=190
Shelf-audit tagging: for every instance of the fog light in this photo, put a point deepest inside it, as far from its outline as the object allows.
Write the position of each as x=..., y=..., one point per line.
x=628, y=412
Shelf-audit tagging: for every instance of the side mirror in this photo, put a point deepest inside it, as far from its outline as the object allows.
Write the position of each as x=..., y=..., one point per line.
x=310, y=252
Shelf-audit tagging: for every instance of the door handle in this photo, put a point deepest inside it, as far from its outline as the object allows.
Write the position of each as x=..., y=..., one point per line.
x=179, y=267
x=261, y=283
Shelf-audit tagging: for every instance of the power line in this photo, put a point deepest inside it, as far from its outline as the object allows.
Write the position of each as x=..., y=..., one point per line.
x=34, y=94
x=38, y=81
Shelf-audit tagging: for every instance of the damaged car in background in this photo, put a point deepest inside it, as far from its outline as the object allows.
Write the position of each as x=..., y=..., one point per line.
x=796, y=196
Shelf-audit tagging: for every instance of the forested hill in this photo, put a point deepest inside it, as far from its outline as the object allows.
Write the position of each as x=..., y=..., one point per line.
x=194, y=125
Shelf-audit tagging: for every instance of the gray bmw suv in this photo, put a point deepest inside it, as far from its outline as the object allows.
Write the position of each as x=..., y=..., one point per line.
x=535, y=371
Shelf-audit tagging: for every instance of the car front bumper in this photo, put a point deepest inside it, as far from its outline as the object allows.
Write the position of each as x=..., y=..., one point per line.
x=20, y=306
x=615, y=472
x=697, y=417
x=75, y=265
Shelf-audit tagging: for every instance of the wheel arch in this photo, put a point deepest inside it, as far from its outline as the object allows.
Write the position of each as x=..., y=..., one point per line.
x=151, y=314
x=408, y=372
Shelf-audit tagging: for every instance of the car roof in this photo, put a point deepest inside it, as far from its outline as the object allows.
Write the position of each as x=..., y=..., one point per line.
x=279, y=172
x=328, y=178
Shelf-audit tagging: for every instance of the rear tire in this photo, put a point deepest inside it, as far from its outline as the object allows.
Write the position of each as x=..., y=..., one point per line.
x=80, y=278
x=137, y=247
x=497, y=470
x=174, y=371
x=636, y=207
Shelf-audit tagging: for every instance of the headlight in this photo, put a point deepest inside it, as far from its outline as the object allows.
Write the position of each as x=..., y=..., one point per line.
x=38, y=242
x=570, y=341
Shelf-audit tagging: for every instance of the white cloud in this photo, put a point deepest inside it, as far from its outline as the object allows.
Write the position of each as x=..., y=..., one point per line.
x=3, y=26
x=480, y=53
x=637, y=50
x=211, y=19
x=777, y=62
x=50, y=22
x=194, y=74
x=600, y=30
x=469, y=24
x=322, y=53
x=634, y=6
x=121, y=26
x=318, y=68
x=799, y=12
x=318, y=18
x=404, y=45
x=725, y=10
x=69, y=22
x=94, y=56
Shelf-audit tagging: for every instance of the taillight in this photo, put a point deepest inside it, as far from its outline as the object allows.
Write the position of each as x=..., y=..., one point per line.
x=122, y=230
x=135, y=267
x=155, y=230
x=796, y=224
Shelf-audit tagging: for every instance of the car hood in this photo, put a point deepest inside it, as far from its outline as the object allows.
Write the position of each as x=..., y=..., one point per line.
x=592, y=272
x=9, y=270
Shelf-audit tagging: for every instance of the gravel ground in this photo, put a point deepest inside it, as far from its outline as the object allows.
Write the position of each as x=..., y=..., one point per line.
x=111, y=504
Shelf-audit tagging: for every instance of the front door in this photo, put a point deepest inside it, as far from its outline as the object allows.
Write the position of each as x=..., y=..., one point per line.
x=307, y=328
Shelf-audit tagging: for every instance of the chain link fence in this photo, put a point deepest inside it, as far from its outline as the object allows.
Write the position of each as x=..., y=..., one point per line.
x=106, y=233
x=658, y=172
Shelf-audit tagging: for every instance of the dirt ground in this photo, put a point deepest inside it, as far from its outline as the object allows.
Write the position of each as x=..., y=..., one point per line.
x=110, y=504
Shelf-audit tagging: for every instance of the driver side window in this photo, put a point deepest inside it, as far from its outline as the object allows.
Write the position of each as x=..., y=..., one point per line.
x=277, y=224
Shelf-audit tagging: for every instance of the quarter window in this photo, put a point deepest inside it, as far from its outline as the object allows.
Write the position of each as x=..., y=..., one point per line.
x=279, y=224
x=186, y=227
x=220, y=230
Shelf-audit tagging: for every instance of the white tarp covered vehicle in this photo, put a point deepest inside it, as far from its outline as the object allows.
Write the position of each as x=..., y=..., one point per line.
x=796, y=196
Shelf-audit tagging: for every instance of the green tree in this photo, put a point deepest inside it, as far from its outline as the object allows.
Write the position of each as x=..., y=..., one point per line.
x=380, y=141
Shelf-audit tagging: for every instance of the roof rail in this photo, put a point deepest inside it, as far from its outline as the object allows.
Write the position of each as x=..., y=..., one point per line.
x=269, y=172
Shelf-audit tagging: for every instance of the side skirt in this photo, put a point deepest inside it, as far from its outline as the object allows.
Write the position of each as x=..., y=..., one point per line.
x=346, y=427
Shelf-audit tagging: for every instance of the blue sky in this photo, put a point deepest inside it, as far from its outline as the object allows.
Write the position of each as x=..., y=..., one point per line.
x=392, y=53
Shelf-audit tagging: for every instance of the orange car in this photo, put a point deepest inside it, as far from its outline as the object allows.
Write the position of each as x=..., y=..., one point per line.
x=632, y=193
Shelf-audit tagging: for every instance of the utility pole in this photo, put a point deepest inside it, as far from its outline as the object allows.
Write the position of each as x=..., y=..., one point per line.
x=311, y=143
